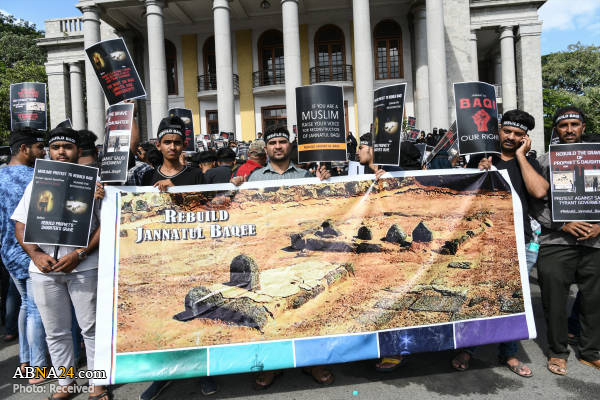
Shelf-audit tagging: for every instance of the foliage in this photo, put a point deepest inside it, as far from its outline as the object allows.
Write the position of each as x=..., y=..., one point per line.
x=571, y=78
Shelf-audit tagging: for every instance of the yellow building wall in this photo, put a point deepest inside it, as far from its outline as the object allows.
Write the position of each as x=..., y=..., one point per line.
x=243, y=40
x=304, y=56
x=189, y=55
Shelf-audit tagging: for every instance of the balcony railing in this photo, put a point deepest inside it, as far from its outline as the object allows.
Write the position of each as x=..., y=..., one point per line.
x=268, y=77
x=62, y=27
x=209, y=82
x=330, y=73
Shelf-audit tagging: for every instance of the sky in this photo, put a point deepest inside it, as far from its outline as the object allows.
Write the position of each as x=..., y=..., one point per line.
x=565, y=21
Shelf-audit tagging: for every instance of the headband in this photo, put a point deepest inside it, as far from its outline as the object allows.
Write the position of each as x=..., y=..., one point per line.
x=170, y=130
x=64, y=135
x=365, y=140
x=20, y=137
x=515, y=125
x=570, y=115
x=275, y=134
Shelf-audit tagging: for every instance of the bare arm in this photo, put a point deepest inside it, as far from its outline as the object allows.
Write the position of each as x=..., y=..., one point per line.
x=41, y=260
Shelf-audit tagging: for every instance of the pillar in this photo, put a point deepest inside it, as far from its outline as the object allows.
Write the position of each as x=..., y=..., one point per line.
x=474, y=60
x=436, y=56
x=509, y=80
x=77, y=112
x=224, y=65
x=363, y=69
x=421, y=70
x=157, y=64
x=58, y=93
x=292, y=60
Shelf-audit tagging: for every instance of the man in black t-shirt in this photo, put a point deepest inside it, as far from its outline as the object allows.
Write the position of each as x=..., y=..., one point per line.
x=171, y=172
x=527, y=180
x=223, y=172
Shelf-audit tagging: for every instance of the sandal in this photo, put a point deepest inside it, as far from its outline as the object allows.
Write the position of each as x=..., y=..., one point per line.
x=106, y=394
x=260, y=383
x=593, y=364
x=517, y=369
x=396, y=361
x=318, y=373
x=557, y=366
x=460, y=362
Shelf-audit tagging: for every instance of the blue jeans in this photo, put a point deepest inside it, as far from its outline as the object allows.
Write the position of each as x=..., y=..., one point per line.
x=12, y=307
x=32, y=338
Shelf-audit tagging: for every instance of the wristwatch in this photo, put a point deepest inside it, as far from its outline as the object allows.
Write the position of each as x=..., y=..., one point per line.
x=81, y=254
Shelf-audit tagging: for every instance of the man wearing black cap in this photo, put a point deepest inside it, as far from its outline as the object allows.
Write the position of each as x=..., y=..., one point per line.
x=569, y=253
x=224, y=169
x=26, y=146
x=171, y=172
x=71, y=278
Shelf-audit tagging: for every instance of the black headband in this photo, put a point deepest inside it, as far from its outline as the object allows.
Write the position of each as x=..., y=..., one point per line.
x=275, y=134
x=365, y=140
x=19, y=137
x=62, y=138
x=170, y=130
x=570, y=115
x=515, y=125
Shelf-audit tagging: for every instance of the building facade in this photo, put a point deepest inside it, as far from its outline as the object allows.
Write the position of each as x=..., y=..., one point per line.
x=236, y=63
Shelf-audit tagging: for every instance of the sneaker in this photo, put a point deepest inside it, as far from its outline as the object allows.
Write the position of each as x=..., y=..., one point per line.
x=208, y=386
x=154, y=390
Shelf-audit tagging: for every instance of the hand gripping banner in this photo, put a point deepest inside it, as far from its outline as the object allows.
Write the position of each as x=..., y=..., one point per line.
x=300, y=272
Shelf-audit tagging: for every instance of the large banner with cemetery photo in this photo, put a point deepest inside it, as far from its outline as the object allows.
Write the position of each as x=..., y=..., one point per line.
x=301, y=272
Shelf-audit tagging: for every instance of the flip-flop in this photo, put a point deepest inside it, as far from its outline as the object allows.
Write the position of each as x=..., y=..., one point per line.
x=589, y=363
x=309, y=371
x=518, y=369
x=259, y=386
x=556, y=364
x=396, y=361
x=462, y=363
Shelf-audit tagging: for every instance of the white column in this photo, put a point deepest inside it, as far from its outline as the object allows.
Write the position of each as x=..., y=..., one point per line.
x=157, y=65
x=474, y=60
x=94, y=93
x=58, y=93
x=421, y=69
x=363, y=59
x=291, y=52
x=77, y=112
x=509, y=79
x=224, y=65
x=436, y=56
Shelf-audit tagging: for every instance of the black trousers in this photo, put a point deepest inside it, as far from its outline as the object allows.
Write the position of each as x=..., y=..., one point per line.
x=559, y=267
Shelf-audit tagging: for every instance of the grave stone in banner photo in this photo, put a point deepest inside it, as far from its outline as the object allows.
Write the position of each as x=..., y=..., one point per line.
x=65, y=124
x=321, y=123
x=186, y=116
x=62, y=201
x=115, y=71
x=388, y=113
x=476, y=118
x=575, y=182
x=117, y=137
x=28, y=106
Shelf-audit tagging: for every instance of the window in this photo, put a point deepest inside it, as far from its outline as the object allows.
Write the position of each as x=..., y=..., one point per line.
x=330, y=54
x=388, y=50
x=209, y=81
x=270, y=49
x=212, y=121
x=171, y=56
x=273, y=116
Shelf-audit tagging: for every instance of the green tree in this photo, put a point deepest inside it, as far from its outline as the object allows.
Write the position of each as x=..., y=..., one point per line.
x=572, y=78
x=20, y=61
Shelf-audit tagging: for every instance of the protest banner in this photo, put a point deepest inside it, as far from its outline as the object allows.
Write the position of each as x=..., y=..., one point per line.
x=117, y=137
x=388, y=112
x=62, y=201
x=115, y=70
x=447, y=142
x=575, y=182
x=476, y=118
x=28, y=106
x=292, y=273
x=186, y=116
x=65, y=124
x=321, y=123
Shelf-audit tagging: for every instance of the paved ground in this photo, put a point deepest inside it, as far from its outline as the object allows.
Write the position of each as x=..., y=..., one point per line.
x=425, y=376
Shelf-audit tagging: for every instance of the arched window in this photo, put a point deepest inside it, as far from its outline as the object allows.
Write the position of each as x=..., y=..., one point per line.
x=388, y=50
x=330, y=54
x=210, y=65
x=270, y=49
x=171, y=56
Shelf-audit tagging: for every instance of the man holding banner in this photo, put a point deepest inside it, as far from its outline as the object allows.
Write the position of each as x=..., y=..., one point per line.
x=68, y=277
x=569, y=253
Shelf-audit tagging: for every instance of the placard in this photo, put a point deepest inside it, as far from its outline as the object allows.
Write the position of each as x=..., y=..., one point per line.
x=476, y=118
x=321, y=123
x=65, y=124
x=575, y=182
x=115, y=70
x=62, y=202
x=188, y=121
x=117, y=137
x=388, y=113
x=28, y=106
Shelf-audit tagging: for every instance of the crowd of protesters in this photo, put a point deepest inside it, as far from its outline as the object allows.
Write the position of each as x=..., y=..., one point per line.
x=54, y=322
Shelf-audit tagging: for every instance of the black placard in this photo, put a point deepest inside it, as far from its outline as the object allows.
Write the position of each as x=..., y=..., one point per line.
x=321, y=123
x=446, y=142
x=476, y=118
x=186, y=116
x=117, y=135
x=388, y=112
x=575, y=182
x=62, y=202
x=28, y=106
x=115, y=71
x=65, y=124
